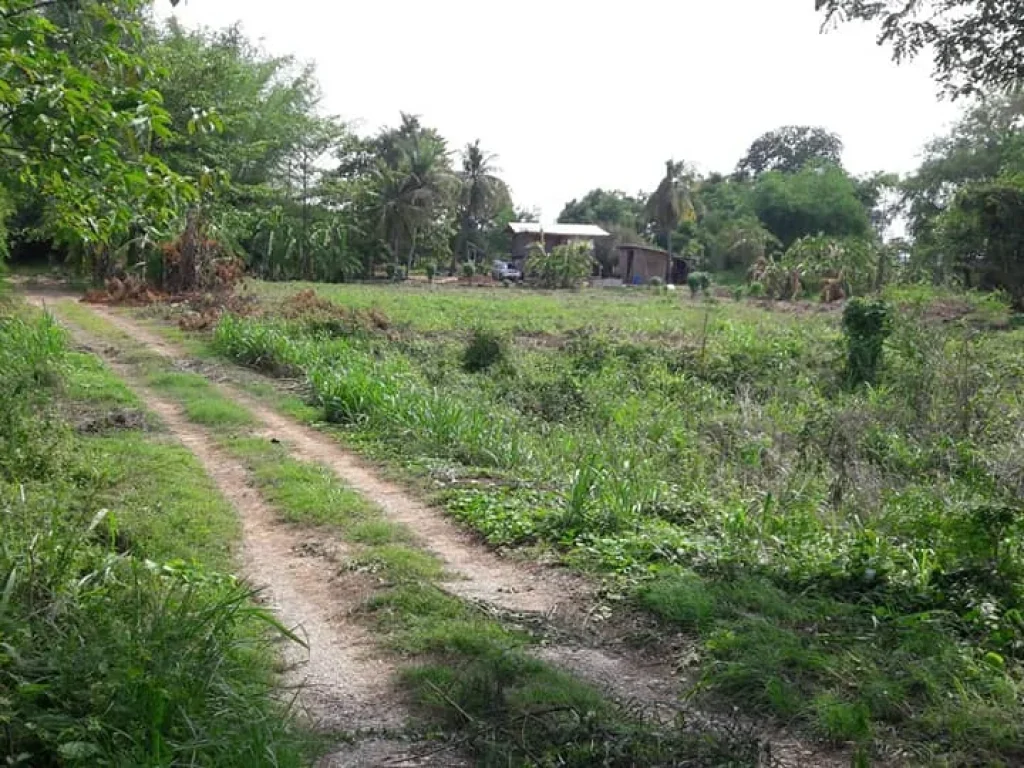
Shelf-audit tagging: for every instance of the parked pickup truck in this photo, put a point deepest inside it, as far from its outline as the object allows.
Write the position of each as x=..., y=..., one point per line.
x=502, y=270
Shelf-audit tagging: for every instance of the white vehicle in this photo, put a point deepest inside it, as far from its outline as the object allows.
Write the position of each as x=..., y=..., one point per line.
x=502, y=270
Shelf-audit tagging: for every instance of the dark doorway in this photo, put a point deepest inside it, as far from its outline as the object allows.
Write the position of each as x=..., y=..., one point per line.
x=629, y=267
x=680, y=271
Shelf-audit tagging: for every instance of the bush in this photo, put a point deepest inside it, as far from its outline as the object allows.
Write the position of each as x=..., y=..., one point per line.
x=467, y=269
x=400, y=274
x=738, y=293
x=756, y=289
x=485, y=349
x=430, y=268
x=656, y=282
x=391, y=270
x=866, y=325
x=566, y=266
x=699, y=282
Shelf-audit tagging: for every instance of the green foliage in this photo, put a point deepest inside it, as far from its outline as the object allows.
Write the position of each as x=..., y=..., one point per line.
x=484, y=350
x=468, y=269
x=755, y=289
x=958, y=32
x=656, y=282
x=982, y=232
x=698, y=282
x=116, y=650
x=866, y=325
x=31, y=357
x=566, y=266
x=814, y=201
x=790, y=149
x=716, y=473
x=852, y=262
x=75, y=75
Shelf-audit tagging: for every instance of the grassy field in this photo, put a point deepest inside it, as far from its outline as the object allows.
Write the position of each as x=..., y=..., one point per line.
x=474, y=679
x=847, y=559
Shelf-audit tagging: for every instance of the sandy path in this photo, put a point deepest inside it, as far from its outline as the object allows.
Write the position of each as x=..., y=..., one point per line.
x=482, y=576
x=343, y=681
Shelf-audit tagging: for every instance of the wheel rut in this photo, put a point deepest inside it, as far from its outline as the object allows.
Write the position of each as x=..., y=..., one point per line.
x=549, y=594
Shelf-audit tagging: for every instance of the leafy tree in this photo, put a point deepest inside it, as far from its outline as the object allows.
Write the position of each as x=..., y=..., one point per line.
x=982, y=232
x=605, y=208
x=672, y=203
x=483, y=196
x=985, y=144
x=78, y=122
x=619, y=214
x=976, y=44
x=789, y=149
x=820, y=200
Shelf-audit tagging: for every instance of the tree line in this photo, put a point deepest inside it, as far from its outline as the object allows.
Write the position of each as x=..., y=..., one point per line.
x=116, y=130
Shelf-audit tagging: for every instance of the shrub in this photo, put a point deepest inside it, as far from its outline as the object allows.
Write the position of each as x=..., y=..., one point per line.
x=656, y=282
x=391, y=270
x=430, y=268
x=481, y=268
x=566, y=266
x=485, y=349
x=400, y=274
x=756, y=289
x=467, y=269
x=866, y=324
x=699, y=282
x=738, y=293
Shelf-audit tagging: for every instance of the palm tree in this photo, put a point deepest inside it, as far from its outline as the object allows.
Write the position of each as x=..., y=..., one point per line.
x=482, y=195
x=672, y=202
x=415, y=188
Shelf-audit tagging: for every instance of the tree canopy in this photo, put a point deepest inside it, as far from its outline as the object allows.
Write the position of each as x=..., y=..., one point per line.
x=977, y=45
x=789, y=149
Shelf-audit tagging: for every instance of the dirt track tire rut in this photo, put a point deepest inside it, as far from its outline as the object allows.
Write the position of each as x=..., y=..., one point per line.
x=549, y=593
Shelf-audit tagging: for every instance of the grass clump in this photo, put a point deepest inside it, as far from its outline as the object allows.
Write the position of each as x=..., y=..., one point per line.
x=202, y=402
x=484, y=350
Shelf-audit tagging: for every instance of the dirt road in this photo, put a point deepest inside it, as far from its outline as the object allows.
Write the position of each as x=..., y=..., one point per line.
x=345, y=678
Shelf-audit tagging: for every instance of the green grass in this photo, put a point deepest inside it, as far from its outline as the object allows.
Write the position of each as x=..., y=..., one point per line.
x=203, y=403
x=426, y=309
x=88, y=380
x=302, y=492
x=164, y=505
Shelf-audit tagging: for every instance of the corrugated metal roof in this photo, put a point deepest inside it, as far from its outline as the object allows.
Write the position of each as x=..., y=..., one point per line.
x=561, y=230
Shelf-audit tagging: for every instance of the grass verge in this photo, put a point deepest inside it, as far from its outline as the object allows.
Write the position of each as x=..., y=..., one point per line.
x=123, y=642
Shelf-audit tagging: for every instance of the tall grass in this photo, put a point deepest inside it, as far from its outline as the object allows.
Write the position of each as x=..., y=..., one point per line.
x=888, y=517
x=107, y=658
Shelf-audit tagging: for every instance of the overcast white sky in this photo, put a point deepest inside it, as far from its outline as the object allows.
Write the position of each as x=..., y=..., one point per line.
x=573, y=95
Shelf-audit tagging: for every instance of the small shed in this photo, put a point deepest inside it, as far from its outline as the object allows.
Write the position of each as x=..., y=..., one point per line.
x=526, y=233
x=639, y=263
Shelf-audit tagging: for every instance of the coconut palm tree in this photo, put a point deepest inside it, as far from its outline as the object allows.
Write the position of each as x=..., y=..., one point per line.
x=416, y=189
x=482, y=196
x=672, y=202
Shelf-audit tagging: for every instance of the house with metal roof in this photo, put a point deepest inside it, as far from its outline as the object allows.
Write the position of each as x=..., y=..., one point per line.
x=527, y=233
x=639, y=263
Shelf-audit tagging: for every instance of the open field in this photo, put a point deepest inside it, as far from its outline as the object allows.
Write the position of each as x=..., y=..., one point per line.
x=844, y=559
